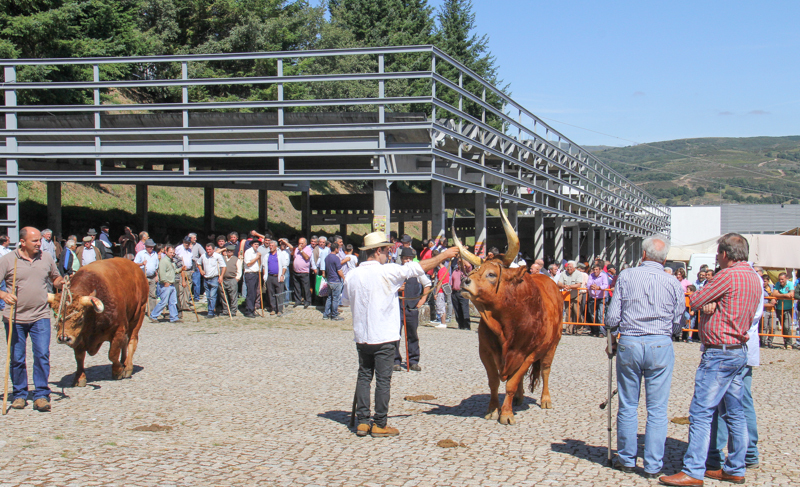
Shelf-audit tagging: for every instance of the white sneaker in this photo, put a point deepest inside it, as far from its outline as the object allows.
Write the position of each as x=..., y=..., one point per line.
x=440, y=325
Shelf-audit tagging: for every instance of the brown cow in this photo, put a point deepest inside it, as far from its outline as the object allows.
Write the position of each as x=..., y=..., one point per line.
x=106, y=302
x=520, y=324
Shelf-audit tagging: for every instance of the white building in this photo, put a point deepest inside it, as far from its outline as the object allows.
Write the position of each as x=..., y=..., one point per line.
x=691, y=224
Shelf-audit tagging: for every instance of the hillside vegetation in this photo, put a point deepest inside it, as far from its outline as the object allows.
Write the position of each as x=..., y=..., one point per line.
x=709, y=170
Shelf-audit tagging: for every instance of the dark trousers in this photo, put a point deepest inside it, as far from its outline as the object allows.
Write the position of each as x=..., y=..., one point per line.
x=301, y=288
x=231, y=289
x=374, y=360
x=595, y=310
x=275, y=290
x=253, y=295
x=461, y=308
x=412, y=323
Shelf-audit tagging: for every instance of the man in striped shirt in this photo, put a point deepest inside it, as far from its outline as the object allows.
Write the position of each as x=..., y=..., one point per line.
x=647, y=307
x=729, y=301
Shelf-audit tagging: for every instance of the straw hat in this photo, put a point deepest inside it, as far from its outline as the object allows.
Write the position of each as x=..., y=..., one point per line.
x=374, y=240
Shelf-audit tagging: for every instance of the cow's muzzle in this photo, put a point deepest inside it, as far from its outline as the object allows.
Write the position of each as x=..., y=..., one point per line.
x=66, y=340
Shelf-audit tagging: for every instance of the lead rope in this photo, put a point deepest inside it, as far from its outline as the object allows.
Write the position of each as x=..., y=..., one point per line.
x=66, y=299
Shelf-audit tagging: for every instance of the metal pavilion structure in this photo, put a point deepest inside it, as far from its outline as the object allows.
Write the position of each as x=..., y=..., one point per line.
x=475, y=144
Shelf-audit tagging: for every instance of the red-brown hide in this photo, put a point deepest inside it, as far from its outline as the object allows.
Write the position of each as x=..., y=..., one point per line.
x=121, y=287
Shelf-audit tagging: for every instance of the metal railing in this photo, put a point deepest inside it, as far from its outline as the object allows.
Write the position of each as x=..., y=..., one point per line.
x=500, y=151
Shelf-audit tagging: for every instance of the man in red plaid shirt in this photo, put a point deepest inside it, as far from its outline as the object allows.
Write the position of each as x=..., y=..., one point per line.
x=729, y=301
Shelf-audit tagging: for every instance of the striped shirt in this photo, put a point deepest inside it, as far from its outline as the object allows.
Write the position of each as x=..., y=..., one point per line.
x=646, y=301
x=737, y=291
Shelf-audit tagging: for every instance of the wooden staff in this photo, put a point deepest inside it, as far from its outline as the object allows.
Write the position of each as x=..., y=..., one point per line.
x=260, y=290
x=225, y=294
x=191, y=297
x=405, y=331
x=10, y=334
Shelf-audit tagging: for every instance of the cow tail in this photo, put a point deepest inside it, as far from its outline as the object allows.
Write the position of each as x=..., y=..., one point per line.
x=535, y=373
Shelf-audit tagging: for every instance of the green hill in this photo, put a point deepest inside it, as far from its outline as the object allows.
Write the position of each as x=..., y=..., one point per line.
x=695, y=171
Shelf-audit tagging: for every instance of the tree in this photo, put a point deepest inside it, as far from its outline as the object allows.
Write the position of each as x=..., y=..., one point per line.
x=455, y=35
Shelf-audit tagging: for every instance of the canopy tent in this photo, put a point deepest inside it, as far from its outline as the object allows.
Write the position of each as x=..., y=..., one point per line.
x=774, y=251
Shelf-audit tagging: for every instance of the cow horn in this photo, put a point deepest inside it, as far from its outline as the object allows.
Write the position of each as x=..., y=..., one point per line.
x=513, y=240
x=94, y=302
x=466, y=254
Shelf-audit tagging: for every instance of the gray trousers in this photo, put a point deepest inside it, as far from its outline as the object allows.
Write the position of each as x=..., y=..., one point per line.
x=151, y=302
x=275, y=290
x=231, y=289
x=374, y=360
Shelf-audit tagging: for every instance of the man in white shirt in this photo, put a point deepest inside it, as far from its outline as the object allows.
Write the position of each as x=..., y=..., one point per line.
x=212, y=268
x=4, y=243
x=252, y=267
x=371, y=289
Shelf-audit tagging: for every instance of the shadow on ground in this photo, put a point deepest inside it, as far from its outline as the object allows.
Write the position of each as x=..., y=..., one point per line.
x=474, y=406
x=673, y=452
x=95, y=373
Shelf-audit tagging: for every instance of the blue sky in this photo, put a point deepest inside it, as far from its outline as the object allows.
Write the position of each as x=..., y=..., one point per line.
x=650, y=71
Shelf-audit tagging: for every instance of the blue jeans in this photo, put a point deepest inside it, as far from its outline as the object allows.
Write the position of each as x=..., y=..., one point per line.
x=650, y=357
x=719, y=431
x=196, y=279
x=334, y=299
x=212, y=285
x=168, y=297
x=3, y=303
x=717, y=380
x=39, y=331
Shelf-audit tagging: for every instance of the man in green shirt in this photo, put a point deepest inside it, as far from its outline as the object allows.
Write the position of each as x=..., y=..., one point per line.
x=784, y=291
x=166, y=287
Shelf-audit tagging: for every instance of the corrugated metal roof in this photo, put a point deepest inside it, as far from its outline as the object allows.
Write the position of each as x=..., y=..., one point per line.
x=759, y=218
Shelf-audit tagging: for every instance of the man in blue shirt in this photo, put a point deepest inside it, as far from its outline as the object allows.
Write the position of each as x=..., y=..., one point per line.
x=784, y=291
x=646, y=310
x=335, y=277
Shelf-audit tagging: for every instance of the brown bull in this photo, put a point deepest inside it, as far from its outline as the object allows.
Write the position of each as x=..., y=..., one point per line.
x=520, y=324
x=106, y=302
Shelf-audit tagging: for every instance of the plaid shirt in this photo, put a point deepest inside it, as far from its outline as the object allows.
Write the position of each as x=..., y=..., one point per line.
x=737, y=291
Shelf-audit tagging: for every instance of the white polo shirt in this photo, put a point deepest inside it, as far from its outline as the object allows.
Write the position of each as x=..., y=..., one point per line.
x=371, y=290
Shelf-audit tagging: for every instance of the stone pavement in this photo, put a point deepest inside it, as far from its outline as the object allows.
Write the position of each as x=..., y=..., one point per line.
x=267, y=402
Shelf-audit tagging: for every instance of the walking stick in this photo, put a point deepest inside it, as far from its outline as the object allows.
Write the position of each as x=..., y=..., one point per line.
x=8, y=347
x=225, y=295
x=191, y=296
x=260, y=290
x=405, y=331
x=610, y=395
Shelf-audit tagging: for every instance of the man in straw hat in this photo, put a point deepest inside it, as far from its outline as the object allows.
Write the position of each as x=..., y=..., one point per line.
x=371, y=289
x=31, y=268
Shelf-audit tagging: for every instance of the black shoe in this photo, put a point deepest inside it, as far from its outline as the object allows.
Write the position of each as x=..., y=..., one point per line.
x=208, y=317
x=649, y=475
x=305, y=306
x=622, y=468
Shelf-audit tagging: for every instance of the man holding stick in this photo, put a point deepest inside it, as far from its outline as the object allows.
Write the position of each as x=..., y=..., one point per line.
x=416, y=291
x=230, y=280
x=371, y=289
x=646, y=310
x=32, y=315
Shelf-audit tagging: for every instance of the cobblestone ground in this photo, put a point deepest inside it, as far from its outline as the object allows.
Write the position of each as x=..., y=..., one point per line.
x=267, y=402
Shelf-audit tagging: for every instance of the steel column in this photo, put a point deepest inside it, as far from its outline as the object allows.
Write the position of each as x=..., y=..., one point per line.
x=437, y=209
x=381, y=203
x=263, y=210
x=141, y=206
x=480, y=224
x=54, y=208
x=559, y=240
x=209, y=222
x=538, y=235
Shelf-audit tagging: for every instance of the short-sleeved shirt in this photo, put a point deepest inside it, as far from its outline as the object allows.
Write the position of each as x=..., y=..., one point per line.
x=570, y=279
x=301, y=265
x=443, y=275
x=333, y=264
x=150, y=261
x=211, y=264
x=783, y=303
x=31, y=285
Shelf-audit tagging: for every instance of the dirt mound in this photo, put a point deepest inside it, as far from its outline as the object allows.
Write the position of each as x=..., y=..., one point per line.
x=153, y=428
x=423, y=397
x=681, y=420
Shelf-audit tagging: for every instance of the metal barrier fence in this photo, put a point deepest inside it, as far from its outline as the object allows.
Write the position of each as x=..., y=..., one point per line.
x=584, y=310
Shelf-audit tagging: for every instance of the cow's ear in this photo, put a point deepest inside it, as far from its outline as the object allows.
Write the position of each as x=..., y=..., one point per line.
x=518, y=273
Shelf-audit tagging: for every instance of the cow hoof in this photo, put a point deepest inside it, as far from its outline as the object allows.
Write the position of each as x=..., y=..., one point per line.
x=507, y=419
x=518, y=401
x=80, y=382
x=547, y=404
x=493, y=415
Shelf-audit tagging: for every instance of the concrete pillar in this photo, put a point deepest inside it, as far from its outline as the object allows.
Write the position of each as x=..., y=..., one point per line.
x=208, y=210
x=590, y=244
x=623, y=252
x=437, y=209
x=513, y=218
x=401, y=228
x=381, y=203
x=424, y=224
x=141, y=206
x=54, y=208
x=343, y=232
x=558, y=254
x=612, y=249
x=601, y=245
x=263, y=210
x=538, y=235
x=480, y=224
x=305, y=214
x=576, y=242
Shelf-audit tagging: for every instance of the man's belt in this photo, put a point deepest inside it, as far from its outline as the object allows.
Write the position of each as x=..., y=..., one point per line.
x=273, y=275
x=724, y=347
